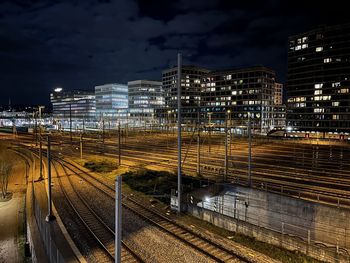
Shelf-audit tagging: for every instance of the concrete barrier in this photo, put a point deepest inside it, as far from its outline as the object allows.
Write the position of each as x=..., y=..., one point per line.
x=317, y=230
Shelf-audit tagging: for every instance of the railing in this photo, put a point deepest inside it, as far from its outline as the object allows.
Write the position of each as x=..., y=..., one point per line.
x=45, y=230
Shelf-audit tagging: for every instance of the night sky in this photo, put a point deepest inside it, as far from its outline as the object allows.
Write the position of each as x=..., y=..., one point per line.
x=82, y=43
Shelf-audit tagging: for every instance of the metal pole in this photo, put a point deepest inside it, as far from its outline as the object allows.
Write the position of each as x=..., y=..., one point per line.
x=249, y=151
x=40, y=148
x=49, y=216
x=103, y=131
x=41, y=158
x=84, y=123
x=36, y=130
x=119, y=148
x=127, y=125
x=198, y=146
x=70, y=121
x=226, y=145
x=179, y=183
x=209, y=132
x=81, y=146
x=118, y=219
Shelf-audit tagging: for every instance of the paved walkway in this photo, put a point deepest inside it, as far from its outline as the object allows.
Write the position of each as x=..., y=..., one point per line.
x=12, y=216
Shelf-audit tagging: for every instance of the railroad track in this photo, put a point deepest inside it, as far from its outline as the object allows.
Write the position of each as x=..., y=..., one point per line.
x=329, y=183
x=191, y=238
x=103, y=235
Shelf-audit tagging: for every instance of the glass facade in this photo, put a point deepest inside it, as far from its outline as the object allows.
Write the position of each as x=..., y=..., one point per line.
x=145, y=97
x=76, y=104
x=111, y=101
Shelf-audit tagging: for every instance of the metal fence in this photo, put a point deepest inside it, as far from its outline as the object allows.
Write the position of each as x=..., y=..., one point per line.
x=45, y=230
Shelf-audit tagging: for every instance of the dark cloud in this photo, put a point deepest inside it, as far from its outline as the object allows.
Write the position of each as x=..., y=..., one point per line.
x=82, y=43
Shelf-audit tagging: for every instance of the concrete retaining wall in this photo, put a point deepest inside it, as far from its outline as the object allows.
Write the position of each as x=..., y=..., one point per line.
x=320, y=231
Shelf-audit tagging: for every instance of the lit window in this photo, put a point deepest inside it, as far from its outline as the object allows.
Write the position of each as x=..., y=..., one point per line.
x=234, y=92
x=335, y=117
x=304, y=46
x=298, y=47
x=318, y=92
x=319, y=49
x=318, y=85
x=327, y=60
x=318, y=110
x=335, y=84
x=335, y=103
x=344, y=90
x=304, y=40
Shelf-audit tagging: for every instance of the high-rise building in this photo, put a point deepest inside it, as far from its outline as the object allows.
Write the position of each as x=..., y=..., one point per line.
x=111, y=101
x=190, y=91
x=145, y=96
x=278, y=94
x=319, y=79
x=77, y=105
x=231, y=94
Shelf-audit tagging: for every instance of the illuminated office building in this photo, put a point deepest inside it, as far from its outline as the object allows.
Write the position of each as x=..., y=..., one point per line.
x=190, y=92
x=145, y=96
x=111, y=101
x=77, y=104
x=319, y=80
x=232, y=94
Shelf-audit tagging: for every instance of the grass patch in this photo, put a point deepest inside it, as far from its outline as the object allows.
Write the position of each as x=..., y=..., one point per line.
x=157, y=183
x=100, y=166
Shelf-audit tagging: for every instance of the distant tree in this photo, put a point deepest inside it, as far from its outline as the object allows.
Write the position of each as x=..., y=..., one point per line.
x=5, y=173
